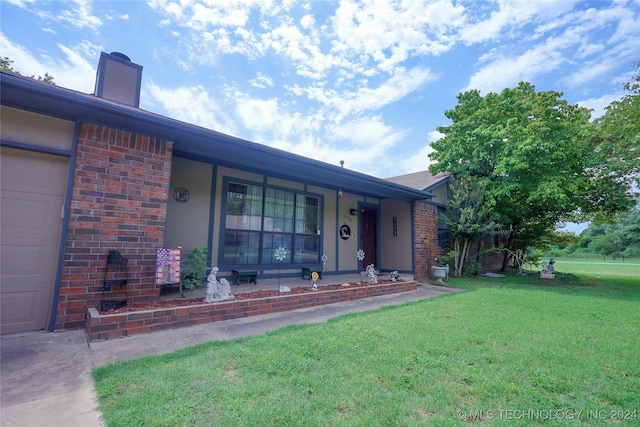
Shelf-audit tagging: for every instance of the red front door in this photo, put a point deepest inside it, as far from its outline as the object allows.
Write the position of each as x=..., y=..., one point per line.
x=368, y=236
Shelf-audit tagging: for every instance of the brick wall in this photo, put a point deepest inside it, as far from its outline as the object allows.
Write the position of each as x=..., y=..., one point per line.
x=103, y=327
x=119, y=201
x=426, y=248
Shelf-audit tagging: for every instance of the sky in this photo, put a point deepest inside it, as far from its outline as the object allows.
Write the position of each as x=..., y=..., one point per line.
x=366, y=82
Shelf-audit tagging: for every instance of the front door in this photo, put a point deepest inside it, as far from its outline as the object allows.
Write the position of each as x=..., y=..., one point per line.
x=33, y=192
x=368, y=236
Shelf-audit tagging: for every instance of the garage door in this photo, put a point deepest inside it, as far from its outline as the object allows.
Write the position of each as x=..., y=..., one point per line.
x=32, y=197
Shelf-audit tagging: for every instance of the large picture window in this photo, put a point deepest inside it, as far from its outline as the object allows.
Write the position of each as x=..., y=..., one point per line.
x=258, y=220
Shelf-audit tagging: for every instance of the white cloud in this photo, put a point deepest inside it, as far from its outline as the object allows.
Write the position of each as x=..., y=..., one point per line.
x=193, y=105
x=341, y=104
x=262, y=81
x=505, y=71
x=417, y=161
x=598, y=105
x=81, y=15
x=20, y=3
x=74, y=72
x=572, y=39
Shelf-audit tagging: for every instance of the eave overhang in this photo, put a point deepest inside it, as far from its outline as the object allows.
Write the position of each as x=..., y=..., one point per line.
x=194, y=141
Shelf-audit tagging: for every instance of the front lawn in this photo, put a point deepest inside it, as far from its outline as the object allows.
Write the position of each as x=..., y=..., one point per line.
x=508, y=351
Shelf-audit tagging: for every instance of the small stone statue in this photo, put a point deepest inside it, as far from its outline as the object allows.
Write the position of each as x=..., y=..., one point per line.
x=225, y=289
x=394, y=275
x=372, y=274
x=212, y=286
x=547, y=271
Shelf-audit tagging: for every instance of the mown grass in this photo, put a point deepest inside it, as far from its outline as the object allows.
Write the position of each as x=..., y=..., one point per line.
x=595, y=268
x=508, y=351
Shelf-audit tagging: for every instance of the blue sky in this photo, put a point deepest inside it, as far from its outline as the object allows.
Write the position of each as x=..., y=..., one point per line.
x=366, y=82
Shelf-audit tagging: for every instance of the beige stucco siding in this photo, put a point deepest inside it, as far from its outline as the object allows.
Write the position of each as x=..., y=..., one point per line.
x=35, y=129
x=330, y=233
x=188, y=222
x=395, y=250
x=347, y=249
x=441, y=194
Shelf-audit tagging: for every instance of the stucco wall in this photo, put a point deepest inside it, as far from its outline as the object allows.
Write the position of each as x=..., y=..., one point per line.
x=441, y=194
x=36, y=129
x=346, y=249
x=396, y=249
x=188, y=222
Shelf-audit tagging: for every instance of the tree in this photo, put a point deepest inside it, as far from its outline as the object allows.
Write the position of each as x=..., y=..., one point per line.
x=467, y=218
x=529, y=151
x=6, y=65
x=616, y=138
x=620, y=237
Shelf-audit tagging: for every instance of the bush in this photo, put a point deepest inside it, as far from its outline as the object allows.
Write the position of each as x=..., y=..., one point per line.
x=194, y=269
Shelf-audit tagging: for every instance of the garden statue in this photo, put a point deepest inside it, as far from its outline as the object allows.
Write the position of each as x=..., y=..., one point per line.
x=372, y=274
x=225, y=289
x=314, y=280
x=212, y=286
x=394, y=275
x=547, y=271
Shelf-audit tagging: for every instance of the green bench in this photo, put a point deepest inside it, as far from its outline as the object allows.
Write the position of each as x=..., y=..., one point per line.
x=307, y=272
x=251, y=276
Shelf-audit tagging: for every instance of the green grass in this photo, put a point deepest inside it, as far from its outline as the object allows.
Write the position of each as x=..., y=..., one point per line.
x=600, y=267
x=508, y=351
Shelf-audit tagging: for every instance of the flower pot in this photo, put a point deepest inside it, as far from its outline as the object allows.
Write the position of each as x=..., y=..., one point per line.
x=440, y=273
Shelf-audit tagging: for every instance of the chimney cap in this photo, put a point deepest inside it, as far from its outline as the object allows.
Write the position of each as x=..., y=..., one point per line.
x=120, y=55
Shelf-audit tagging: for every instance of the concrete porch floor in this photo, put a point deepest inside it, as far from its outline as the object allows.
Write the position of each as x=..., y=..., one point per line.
x=273, y=283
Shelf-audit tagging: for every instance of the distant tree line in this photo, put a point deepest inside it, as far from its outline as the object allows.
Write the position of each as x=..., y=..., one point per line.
x=620, y=238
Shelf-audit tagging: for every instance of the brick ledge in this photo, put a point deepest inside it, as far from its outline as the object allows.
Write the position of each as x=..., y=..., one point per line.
x=102, y=327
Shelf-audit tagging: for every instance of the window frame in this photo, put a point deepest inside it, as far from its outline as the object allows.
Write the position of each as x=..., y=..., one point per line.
x=296, y=256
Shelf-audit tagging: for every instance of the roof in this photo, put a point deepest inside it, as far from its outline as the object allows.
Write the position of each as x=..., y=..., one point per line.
x=194, y=141
x=422, y=180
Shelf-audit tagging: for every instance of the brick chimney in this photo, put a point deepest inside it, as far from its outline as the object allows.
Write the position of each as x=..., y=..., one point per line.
x=118, y=79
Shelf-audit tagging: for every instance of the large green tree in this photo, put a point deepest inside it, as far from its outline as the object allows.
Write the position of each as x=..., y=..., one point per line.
x=616, y=140
x=532, y=154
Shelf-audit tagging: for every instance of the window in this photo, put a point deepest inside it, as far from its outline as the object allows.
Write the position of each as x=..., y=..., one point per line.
x=258, y=220
x=243, y=224
x=443, y=229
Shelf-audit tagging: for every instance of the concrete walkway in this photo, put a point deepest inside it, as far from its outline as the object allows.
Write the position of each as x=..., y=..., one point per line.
x=46, y=378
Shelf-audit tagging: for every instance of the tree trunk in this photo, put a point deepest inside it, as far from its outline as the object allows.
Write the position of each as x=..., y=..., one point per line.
x=505, y=260
x=480, y=245
x=456, y=259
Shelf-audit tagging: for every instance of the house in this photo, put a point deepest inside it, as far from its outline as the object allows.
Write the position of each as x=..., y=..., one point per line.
x=437, y=185
x=483, y=252
x=84, y=174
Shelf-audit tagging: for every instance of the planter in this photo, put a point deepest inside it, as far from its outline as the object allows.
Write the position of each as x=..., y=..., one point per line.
x=440, y=273
x=108, y=326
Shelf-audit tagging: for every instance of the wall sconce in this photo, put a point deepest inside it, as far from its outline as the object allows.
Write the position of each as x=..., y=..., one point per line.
x=353, y=211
